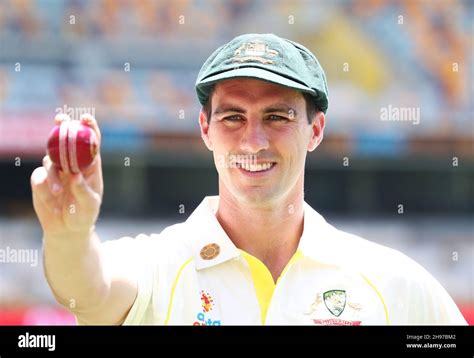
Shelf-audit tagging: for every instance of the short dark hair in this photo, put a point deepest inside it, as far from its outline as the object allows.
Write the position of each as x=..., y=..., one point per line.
x=311, y=108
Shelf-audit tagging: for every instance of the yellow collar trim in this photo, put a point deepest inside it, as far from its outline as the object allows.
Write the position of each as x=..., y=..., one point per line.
x=263, y=280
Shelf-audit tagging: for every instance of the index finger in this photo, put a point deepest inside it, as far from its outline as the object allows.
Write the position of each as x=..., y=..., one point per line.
x=89, y=119
x=61, y=117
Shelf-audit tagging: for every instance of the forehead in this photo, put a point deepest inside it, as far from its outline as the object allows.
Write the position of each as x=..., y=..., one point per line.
x=251, y=90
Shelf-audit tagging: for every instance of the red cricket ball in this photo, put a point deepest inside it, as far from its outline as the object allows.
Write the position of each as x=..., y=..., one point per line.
x=72, y=146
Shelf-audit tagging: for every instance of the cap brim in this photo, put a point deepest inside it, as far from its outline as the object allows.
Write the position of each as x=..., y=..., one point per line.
x=253, y=72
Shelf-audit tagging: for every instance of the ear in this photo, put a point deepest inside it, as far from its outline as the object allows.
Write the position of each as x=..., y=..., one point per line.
x=317, y=131
x=205, y=129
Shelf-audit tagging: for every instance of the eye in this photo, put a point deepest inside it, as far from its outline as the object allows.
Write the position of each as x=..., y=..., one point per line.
x=275, y=118
x=234, y=118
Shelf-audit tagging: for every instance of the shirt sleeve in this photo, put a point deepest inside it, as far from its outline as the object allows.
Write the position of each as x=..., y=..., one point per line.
x=441, y=308
x=131, y=256
x=429, y=302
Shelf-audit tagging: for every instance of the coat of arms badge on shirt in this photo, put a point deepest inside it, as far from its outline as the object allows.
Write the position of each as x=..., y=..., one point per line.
x=335, y=301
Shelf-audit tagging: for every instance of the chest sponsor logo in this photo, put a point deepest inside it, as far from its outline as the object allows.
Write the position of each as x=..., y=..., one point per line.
x=207, y=304
x=335, y=302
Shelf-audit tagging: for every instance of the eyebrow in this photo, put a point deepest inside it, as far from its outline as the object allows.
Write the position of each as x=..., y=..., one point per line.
x=228, y=108
x=274, y=108
x=280, y=108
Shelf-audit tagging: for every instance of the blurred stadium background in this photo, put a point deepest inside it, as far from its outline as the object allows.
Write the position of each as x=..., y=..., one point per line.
x=135, y=64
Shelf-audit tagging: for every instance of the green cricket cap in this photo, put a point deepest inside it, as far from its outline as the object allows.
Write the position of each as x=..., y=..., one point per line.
x=266, y=57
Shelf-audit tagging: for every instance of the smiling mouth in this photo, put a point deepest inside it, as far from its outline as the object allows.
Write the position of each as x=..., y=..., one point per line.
x=256, y=168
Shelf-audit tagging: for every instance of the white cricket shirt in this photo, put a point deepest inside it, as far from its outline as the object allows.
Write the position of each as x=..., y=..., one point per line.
x=192, y=274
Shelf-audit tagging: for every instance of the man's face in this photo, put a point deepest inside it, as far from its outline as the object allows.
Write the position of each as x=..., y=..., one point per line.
x=259, y=135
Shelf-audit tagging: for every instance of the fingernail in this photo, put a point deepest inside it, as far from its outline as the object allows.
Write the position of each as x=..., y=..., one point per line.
x=57, y=188
x=62, y=117
x=86, y=118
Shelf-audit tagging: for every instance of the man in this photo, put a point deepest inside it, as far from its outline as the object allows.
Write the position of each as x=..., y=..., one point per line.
x=257, y=253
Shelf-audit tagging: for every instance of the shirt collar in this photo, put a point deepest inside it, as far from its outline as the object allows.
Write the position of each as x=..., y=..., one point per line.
x=209, y=231
x=318, y=241
x=325, y=244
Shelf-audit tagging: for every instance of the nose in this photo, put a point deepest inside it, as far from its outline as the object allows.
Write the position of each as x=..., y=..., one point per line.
x=254, y=138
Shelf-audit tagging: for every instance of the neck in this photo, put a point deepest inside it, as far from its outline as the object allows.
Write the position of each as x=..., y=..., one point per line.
x=271, y=234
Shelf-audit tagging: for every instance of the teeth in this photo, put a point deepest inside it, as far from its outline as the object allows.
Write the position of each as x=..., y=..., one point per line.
x=256, y=167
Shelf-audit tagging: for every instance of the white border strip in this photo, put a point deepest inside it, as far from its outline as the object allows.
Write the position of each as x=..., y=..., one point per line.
x=63, y=135
x=72, y=146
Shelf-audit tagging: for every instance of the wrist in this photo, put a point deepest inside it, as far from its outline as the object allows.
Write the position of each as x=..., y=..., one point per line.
x=76, y=235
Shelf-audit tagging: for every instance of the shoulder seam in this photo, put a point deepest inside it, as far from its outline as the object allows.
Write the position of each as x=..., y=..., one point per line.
x=379, y=295
x=173, y=288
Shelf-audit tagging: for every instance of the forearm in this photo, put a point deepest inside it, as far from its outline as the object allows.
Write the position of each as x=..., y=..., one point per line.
x=75, y=271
